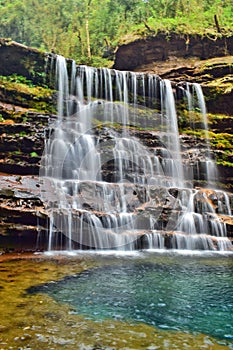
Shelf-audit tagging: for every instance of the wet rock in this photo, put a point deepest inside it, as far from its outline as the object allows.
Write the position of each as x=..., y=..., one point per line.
x=22, y=144
x=22, y=214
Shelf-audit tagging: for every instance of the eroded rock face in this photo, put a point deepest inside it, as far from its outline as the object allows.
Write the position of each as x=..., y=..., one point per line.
x=23, y=216
x=22, y=60
x=21, y=141
x=207, y=61
x=165, y=48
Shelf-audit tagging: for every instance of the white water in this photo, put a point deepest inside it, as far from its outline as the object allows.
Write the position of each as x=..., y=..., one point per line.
x=107, y=189
x=196, y=102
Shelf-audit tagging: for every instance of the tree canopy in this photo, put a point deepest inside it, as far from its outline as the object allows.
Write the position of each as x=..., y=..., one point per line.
x=88, y=30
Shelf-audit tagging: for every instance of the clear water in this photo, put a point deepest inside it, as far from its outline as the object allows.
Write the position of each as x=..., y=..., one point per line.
x=186, y=293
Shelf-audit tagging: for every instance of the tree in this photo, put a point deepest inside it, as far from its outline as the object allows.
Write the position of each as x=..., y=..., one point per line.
x=80, y=29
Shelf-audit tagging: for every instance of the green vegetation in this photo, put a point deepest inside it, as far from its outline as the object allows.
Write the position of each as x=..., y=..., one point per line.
x=19, y=79
x=23, y=85
x=24, y=93
x=223, y=85
x=90, y=30
x=221, y=142
x=34, y=154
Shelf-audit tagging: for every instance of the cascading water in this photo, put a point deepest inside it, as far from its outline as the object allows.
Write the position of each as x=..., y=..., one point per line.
x=114, y=173
x=196, y=102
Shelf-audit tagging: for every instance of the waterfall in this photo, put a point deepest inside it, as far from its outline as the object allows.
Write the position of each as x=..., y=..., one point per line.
x=171, y=133
x=196, y=103
x=113, y=172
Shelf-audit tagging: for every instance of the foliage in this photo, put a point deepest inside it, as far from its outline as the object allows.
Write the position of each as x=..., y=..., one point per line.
x=87, y=30
x=34, y=154
x=24, y=93
x=222, y=141
x=14, y=78
x=23, y=85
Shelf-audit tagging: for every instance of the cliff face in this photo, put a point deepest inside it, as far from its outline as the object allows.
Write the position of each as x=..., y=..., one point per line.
x=207, y=61
x=19, y=59
x=170, y=48
x=26, y=112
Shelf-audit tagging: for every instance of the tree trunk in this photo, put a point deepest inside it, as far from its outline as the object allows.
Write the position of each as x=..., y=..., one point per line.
x=88, y=4
x=217, y=24
x=81, y=42
x=88, y=39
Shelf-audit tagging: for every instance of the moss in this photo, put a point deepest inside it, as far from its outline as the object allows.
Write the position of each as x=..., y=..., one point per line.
x=223, y=85
x=221, y=144
x=35, y=92
x=213, y=118
x=191, y=132
x=17, y=153
x=22, y=92
x=34, y=154
x=188, y=118
x=224, y=162
x=217, y=62
x=223, y=141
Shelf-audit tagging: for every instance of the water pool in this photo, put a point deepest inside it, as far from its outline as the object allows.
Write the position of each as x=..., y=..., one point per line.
x=172, y=292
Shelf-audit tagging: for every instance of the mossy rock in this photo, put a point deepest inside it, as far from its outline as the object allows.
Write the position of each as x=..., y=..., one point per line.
x=22, y=60
x=26, y=95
